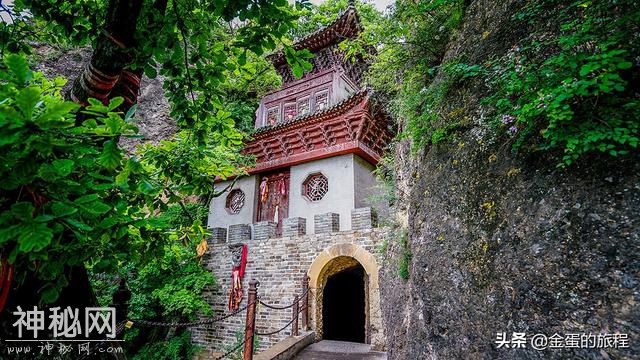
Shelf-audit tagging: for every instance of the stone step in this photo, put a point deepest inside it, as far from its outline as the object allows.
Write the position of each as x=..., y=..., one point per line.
x=339, y=350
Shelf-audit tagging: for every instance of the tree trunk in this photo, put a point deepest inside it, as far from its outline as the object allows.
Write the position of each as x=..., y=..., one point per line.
x=114, y=51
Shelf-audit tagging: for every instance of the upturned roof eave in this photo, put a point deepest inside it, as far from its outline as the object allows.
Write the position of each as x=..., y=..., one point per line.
x=332, y=30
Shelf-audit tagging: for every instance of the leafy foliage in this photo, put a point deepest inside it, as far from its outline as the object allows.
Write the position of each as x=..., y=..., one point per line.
x=60, y=193
x=168, y=289
x=579, y=99
x=568, y=88
x=410, y=47
x=71, y=196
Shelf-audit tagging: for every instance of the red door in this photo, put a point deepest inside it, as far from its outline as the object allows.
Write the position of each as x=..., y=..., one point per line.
x=273, y=197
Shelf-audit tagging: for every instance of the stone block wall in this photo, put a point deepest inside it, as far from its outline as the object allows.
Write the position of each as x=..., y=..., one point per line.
x=264, y=230
x=218, y=235
x=295, y=226
x=326, y=223
x=364, y=218
x=239, y=233
x=280, y=264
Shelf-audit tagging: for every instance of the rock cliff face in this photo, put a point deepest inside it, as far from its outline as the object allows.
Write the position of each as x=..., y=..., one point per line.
x=152, y=113
x=506, y=243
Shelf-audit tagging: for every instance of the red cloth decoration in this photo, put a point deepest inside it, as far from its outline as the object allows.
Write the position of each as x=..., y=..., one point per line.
x=282, y=187
x=264, y=190
x=237, y=273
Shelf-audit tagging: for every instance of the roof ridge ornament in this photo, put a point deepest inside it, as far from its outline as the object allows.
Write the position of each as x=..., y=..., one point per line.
x=345, y=25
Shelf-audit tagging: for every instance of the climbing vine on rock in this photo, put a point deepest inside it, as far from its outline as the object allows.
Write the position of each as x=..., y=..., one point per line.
x=576, y=92
x=567, y=88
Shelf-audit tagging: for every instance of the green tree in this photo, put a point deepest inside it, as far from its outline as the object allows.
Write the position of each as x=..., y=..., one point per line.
x=71, y=196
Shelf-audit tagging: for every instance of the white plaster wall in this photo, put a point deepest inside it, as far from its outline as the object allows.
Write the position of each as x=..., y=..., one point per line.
x=368, y=191
x=218, y=215
x=339, y=199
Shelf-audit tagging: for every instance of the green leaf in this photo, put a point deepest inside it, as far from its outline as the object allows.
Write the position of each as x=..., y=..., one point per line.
x=43, y=218
x=123, y=177
x=19, y=68
x=115, y=102
x=57, y=111
x=9, y=233
x=78, y=225
x=111, y=155
x=95, y=208
x=22, y=210
x=34, y=237
x=48, y=173
x=108, y=222
x=27, y=99
x=61, y=209
x=130, y=113
x=625, y=65
x=146, y=187
x=63, y=166
x=50, y=295
x=86, y=199
x=150, y=72
x=298, y=71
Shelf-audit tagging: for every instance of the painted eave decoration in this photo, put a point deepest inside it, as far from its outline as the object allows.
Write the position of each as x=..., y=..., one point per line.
x=348, y=126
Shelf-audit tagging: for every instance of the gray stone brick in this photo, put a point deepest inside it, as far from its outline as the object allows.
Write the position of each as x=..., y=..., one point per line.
x=295, y=226
x=326, y=223
x=264, y=230
x=239, y=233
x=218, y=235
x=364, y=218
x=280, y=266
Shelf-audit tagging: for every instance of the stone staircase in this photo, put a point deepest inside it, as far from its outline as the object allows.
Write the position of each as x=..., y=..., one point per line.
x=339, y=350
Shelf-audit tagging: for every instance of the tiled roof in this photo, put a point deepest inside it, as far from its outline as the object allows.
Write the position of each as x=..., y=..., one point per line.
x=333, y=109
x=346, y=25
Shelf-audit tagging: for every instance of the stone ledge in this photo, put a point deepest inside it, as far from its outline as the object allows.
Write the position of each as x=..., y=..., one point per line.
x=287, y=348
x=355, y=233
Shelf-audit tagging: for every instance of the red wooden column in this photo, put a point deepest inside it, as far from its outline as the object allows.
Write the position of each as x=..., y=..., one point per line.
x=250, y=323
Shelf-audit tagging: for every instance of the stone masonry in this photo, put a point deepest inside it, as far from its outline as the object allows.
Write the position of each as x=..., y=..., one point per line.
x=264, y=230
x=295, y=226
x=218, y=235
x=280, y=264
x=325, y=223
x=239, y=233
x=364, y=218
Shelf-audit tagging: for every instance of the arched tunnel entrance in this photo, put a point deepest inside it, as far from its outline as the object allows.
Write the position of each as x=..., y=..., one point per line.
x=344, y=305
x=344, y=279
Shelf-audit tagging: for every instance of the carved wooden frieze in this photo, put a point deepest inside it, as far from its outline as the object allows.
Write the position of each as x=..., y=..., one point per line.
x=304, y=85
x=306, y=144
x=285, y=146
x=345, y=127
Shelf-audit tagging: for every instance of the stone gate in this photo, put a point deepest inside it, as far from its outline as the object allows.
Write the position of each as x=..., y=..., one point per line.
x=280, y=265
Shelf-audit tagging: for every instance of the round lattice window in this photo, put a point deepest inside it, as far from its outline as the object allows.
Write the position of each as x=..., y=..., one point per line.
x=235, y=201
x=315, y=187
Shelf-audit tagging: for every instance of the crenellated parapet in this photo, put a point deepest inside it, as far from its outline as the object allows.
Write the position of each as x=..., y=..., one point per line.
x=361, y=219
